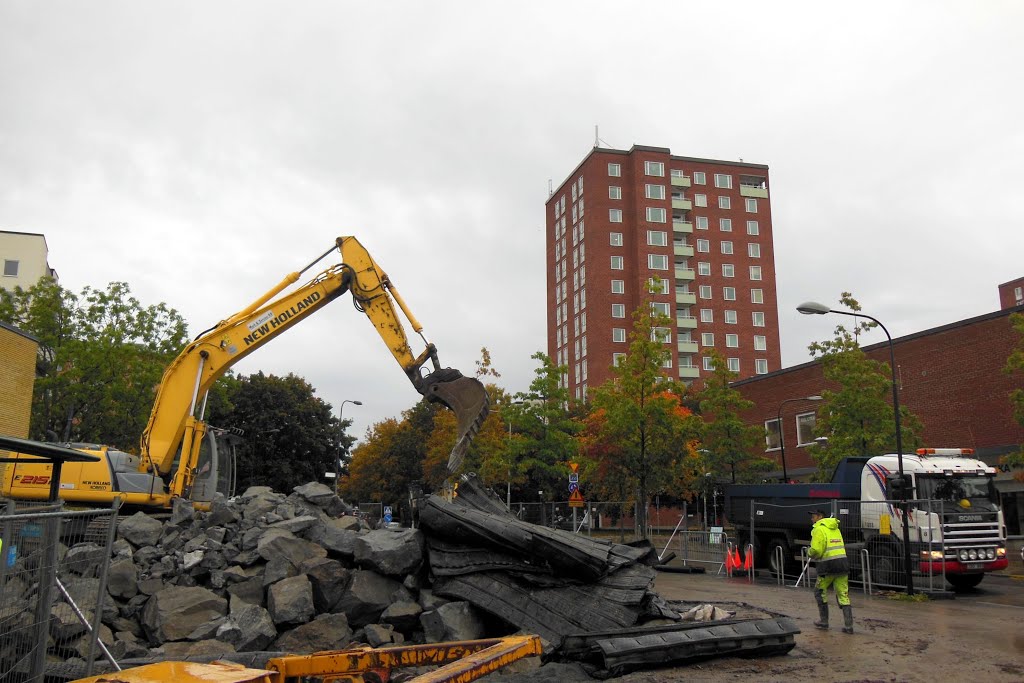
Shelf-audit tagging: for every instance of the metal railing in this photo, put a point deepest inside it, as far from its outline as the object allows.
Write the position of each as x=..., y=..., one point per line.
x=51, y=557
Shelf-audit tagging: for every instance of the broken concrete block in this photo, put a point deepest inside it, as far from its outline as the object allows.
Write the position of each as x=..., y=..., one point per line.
x=391, y=552
x=177, y=611
x=140, y=529
x=454, y=621
x=326, y=632
x=290, y=601
x=368, y=595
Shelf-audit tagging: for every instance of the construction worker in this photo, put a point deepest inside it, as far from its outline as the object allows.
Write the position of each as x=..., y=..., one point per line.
x=829, y=553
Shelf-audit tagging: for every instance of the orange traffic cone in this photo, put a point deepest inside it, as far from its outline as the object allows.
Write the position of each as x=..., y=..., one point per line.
x=728, y=563
x=748, y=561
x=737, y=563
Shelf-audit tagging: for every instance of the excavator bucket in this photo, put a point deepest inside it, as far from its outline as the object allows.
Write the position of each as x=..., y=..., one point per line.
x=464, y=396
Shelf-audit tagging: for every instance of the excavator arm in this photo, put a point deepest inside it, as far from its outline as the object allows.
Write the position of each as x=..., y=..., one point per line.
x=175, y=423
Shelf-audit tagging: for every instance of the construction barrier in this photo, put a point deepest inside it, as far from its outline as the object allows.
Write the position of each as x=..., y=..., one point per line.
x=51, y=556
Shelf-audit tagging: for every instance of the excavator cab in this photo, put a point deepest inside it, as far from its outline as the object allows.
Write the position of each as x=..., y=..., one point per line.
x=217, y=465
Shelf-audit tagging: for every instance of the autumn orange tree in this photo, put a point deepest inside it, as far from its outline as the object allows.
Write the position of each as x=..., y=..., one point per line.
x=644, y=426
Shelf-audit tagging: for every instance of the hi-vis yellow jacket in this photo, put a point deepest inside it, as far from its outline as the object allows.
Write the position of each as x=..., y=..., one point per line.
x=828, y=549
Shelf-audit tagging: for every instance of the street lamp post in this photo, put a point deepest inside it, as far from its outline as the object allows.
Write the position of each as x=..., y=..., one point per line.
x=341, y=434
x=814, y=308
x=782, y=436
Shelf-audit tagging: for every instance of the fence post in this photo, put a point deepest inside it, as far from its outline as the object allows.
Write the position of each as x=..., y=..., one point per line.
x=47, y=580
x=115, y=507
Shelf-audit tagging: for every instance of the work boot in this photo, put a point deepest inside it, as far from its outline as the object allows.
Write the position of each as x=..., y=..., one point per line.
x=847, y=618
x=822, y=621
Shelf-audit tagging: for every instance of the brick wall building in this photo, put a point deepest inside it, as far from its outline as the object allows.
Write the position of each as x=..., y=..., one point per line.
x=17, y=377
x=702, y=227
x=951, y=377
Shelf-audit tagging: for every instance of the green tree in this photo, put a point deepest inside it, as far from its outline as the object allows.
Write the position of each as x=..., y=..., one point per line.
x=545, y=430
x=102, y=356
x=1015, y=364
x=857, y=419
x=642, y=426
x=290, y=433
x=727, y=441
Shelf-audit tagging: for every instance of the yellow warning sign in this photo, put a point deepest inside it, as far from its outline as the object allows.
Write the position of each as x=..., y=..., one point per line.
x=576, y=499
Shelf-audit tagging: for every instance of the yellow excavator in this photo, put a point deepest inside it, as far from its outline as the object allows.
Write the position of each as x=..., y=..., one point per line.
x=180, y=456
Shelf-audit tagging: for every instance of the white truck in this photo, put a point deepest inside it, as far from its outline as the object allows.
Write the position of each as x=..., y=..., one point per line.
x=955, y=522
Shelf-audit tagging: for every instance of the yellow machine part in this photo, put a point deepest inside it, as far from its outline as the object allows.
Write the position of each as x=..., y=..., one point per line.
x=458, y=661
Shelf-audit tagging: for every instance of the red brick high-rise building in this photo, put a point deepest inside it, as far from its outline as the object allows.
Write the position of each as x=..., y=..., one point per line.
x=702, y=227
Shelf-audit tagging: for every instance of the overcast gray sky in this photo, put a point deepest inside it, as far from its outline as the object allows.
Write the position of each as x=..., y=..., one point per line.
x=200, y=151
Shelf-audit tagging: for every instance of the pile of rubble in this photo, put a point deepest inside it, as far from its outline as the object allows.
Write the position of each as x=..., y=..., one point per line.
x=268, y=572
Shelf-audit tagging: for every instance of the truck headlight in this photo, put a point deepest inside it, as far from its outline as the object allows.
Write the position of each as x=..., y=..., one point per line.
x=963, y=555
x=972, y=554
x=931, y=555
x=1000, y=552
x=990, y=553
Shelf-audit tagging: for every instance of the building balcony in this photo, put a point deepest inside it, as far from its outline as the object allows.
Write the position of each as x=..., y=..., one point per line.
x=685, y=273
x=748, y=191
x=687, y=347
x=682, y=226
x=688, y=372
x=686, y=323
x=680, y=181
x=682, y=249
x=686, y=298
x=685, y=204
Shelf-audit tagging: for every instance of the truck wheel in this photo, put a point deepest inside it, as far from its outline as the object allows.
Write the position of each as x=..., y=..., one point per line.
x=964, y=581
x=886, y=567
x=788, y=565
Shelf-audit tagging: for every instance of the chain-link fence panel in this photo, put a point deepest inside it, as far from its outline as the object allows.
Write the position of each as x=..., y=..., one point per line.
x=53, y=580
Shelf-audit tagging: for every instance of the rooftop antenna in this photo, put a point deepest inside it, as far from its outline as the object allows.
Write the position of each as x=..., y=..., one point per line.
x=551, y=190
x=597, y=139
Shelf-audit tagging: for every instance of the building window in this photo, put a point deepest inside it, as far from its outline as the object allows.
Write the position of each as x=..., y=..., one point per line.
x=771, y=435
x=661, y=334
x=699, y=178
x=707, y=339
x=709, y=364
x=758, y=317
x=618, y=359
x=730, y=317
x=616, y=263
x=618, y=287
x=703, y=268
x=614, y=170
x=734, y=364
x=615, y=215
x=704, y=246
x=618, y=335
x=728, y=270
x=752, y=228
x=726, y=247
x=805, y=429
x=657, y=238
x=702, y=222
x=657, y=262
x=755, y=272
x=705, y=291
x=655, y=168
x=618, y=310
x=751, y=205
x=654, y=191
x=700, y=200
x=615, y=239
x=760, y=366
x=580, y=183
x=11, y=268
x=657, y=285
x=754, y=250
x=723, y=180
x=725, y=224
x=659, y=308
x=729, y=293
x=724, y=203
x=760, y=342
x=732, y=341
x=655, y=215
x=707, y=315
x=614, y=192
x=757, y=296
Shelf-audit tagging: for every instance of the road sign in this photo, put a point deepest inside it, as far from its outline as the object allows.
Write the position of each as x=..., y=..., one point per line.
x=574, y=478
x=576, y=499
x=575, y=467
x=573, y=487
x=387, y=514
